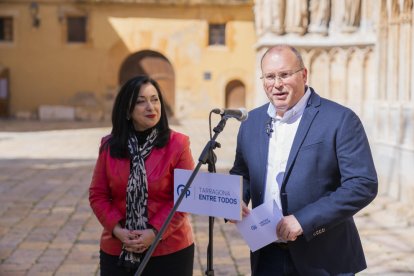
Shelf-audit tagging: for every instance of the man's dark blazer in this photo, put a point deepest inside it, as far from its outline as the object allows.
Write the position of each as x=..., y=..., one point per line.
x=330, y=176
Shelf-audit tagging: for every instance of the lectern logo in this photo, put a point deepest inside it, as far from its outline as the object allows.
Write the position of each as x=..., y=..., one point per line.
x=180, y=189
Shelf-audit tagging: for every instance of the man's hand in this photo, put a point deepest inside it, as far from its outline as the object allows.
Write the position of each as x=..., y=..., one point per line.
x=288, y=228
x=245, y=212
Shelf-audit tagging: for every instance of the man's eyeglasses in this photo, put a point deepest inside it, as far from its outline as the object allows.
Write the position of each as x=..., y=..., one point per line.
x=282, y=76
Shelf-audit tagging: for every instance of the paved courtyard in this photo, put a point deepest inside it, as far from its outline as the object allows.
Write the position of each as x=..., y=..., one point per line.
x=47, y=227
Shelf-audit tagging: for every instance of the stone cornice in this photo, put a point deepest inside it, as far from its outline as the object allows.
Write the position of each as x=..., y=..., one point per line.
x=315, y=41
x=148, y=2
x=174, y=2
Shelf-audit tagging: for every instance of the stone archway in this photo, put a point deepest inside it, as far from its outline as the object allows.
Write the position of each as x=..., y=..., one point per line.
x=157, y=67
x=235, y=94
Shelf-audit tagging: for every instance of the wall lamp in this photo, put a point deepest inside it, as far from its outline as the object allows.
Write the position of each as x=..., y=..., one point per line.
x=34, y=12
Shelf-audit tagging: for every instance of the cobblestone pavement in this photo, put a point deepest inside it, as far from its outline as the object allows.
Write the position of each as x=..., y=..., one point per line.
x=47, y=227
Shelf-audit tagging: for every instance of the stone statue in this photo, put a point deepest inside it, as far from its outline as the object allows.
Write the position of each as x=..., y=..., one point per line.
x=352, y=15
x=296, y=16
x=278, y=8
x=258, y=17
x=320, y=13
x=267, y=15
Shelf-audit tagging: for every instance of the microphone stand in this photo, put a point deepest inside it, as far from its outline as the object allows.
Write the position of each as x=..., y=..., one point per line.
x=207, y=156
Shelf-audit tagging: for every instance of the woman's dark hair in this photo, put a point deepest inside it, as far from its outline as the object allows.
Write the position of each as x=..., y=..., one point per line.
x=122, y=123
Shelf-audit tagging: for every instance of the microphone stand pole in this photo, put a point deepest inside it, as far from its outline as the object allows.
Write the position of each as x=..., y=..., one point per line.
x=211, y=161
x=206, y=155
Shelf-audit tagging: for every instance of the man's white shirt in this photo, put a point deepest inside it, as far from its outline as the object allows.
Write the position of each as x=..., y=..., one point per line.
x=280, y=143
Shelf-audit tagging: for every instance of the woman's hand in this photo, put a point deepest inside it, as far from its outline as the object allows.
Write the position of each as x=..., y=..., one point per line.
x=134, y=240
x=122, y=234
x=146, y=237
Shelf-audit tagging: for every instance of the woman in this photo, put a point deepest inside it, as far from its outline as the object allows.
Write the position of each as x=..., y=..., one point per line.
x=132, y=187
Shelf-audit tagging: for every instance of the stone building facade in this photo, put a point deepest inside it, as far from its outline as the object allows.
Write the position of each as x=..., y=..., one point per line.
x=65, y=59
x=358, y=53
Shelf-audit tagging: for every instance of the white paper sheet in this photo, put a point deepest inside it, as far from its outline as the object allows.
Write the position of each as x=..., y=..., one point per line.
x=258, y=229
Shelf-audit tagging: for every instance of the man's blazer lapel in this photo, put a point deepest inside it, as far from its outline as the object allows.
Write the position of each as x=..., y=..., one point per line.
x=307, y=118
x=258, y=146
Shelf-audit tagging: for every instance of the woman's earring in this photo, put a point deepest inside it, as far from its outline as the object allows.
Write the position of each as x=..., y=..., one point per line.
x=128, y=117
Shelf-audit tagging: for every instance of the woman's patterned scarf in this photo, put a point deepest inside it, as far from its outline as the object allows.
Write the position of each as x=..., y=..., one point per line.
x=137, y=194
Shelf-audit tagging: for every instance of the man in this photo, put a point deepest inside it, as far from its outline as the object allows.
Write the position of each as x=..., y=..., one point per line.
x=312, y=157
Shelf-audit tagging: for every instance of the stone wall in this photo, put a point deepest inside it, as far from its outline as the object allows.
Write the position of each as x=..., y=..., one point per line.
x=174, y=2
x=47, y=70
x=358, y=53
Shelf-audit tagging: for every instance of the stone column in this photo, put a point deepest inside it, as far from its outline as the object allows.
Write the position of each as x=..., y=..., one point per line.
x=318, y=72
x=260, y=96
x=411, y=97
x=405, y=54
x=382, y=52
x=338, y=65
x=355, y=80
x=369, y=88
x=393, y=53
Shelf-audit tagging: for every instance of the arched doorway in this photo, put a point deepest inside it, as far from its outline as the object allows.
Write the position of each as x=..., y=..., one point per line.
x=157, y=67
x=4, y=92
x=235, y=94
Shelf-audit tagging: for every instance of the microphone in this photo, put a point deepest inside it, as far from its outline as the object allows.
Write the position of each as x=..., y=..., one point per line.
x=269, y=127
x=240, y=114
